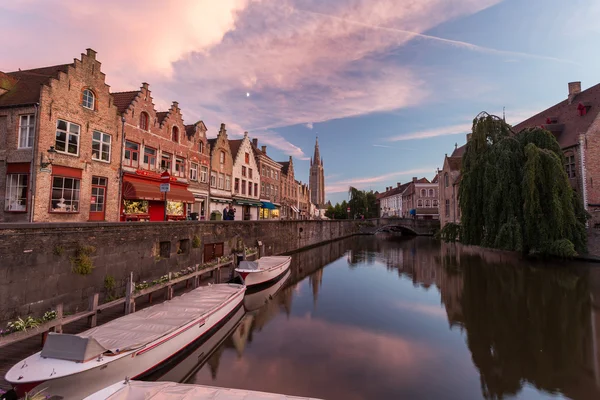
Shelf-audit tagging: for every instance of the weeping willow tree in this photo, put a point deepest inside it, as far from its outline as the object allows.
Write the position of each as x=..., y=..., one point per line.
x=515, y=194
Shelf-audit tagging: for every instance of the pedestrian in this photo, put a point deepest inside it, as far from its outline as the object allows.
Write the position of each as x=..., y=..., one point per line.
x=225, y=214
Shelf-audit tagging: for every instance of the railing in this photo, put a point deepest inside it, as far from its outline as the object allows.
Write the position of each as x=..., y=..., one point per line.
x=128, y=300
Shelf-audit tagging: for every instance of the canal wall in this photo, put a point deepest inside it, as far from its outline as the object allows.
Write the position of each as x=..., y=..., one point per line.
x=38, y=262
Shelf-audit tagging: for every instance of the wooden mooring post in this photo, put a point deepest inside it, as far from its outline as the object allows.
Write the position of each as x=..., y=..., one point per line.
x=129, y=299
x=93, y=306
x=169, y=289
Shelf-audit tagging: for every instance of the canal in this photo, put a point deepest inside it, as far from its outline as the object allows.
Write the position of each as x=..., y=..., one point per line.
x=386, y=317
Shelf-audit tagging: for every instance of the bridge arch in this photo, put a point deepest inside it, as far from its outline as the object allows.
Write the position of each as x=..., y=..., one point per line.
x=405, y=230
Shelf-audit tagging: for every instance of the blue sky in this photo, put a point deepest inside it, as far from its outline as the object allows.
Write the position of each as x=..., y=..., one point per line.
x=389, y=86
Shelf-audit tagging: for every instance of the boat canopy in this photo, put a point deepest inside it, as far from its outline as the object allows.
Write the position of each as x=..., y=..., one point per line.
x=177, y=391
x=248, y=266
x=142, y=327
x=71, y=347
x=262, y=264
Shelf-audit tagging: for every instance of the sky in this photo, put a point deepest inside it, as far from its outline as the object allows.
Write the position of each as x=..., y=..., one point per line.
x=388, y=86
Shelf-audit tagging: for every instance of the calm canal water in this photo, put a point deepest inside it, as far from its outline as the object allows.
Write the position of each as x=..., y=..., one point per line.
x=378, y=317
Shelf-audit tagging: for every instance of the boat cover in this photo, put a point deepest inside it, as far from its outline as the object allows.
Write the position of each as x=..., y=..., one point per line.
x=138, y=390
x=139, y=328
x=263, y=263
x=71, y=347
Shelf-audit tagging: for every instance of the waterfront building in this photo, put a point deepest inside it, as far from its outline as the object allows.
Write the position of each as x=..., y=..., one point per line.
x=270, y=181
x=221, y=162
x=246, y=179
x=390, y=201
x=289, y=191
x=155, y=142
x=59, y=144
x=420, y=199
x=575, y=122
x=317, y=178
x=304, y=203
x=448, y=180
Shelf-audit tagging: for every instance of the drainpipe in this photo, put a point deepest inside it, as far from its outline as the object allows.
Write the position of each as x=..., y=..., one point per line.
x=583, y=177
x=33, y=167
x=120, y=176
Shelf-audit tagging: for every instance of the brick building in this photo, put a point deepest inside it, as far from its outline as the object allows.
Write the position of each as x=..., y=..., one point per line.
x=420, y=199
x=246, y=179
x=221, y=171
x=59, y=144
x=270, y=173
x=317, y=178
x=304, y=201
x=448, y=180
x=155, y=142
x=289, y=191
x=575, y=122
x=390, y=201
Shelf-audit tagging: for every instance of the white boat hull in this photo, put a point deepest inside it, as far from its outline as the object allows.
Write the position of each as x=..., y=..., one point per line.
x=254, y=301
x=264, y=276
x=133, y=364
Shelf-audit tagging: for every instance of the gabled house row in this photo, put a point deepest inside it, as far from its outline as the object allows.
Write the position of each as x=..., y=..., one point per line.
x=575, y=122
x=415, y=199
x=71, y=151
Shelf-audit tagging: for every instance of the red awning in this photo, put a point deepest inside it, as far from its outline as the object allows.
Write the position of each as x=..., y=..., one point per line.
x=136, y=190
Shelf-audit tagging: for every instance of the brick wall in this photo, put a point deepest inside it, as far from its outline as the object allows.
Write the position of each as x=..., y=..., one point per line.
x=35, y=267
x=592, y=163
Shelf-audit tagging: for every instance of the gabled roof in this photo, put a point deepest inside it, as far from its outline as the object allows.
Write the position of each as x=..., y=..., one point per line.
x=395, y=191
x=160, y=116
x=459, y=151
x=422, y=180
x=285, y=166
x=122, y=100
x=26, y=90
x=435, y=179
x=568, y=116
x=454, y=163
x=235, y=145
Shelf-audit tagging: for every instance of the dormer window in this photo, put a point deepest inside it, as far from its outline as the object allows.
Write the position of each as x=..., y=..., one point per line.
x=88, y=100
x=175, y=134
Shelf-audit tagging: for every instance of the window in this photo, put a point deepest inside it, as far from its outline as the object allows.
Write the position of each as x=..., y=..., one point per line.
x=268, y=190
x=256, y=190
x=435, y=203
x=175, y=134
x=250, y=173
x=101, y=146
x=423, y=192
x=276, y=193
x=132, y=154
x=236, y=186
x=149, y=157
x=247, y=158
x=570, y=166
x=88, y=99
x=264, y=171
x=243, y=171
x=193, y=171
x=249, y=188
x=213, y=179
x=203, y=174
x=67, y=137
x=227, y=182
x=272, y=175
x=15, y=198
x=98, y=194
x=144, y=120
x=276, y=175
x=201, y=147
x=222, y=157
x=135, y=207
x=447, y=207
x=243, y=187
x=446, y=182
x=419, y=203
x=427, y=203
x=179, y=167
x=165, y=161
x=262, y=188
x=26, y=131
x=221, y=181
x=431, y=193
x=65, y=195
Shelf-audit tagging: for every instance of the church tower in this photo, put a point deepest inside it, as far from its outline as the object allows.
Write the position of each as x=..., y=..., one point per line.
x=317, y=179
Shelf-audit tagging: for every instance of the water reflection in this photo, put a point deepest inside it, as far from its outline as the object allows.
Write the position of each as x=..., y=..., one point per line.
x=412, y=318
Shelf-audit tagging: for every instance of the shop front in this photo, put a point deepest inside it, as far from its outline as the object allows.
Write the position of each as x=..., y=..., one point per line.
x=198, y=209
x=246, y=209
x=268, y=210
x=143, y=200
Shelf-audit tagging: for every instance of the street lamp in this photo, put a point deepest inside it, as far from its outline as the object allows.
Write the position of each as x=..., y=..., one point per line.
x=49, y=158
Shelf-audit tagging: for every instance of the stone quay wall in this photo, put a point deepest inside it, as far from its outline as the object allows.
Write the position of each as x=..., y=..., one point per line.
x=36, y=260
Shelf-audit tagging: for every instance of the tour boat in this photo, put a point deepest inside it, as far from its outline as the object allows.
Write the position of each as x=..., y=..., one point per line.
x=132, y=346
x=254, y=301
x=127, y=390
x=264, y=271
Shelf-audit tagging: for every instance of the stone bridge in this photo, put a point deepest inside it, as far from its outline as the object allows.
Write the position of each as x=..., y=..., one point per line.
x=408, y=226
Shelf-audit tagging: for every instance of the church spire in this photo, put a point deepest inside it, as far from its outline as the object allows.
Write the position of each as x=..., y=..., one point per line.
x=316, y=158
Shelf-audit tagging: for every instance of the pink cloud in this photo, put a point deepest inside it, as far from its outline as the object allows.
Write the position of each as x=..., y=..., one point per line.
x=364, y=183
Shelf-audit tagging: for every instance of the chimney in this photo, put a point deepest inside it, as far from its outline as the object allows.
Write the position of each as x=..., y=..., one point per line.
x=91, y=53
x=397, y=184
x=255, y=142
x=414, y=179
x=175, y=105
x=574, y=90
x=264, y=149
x=145, y=85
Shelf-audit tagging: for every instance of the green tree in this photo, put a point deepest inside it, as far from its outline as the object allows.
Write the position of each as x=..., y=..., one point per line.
x=362, y=203
x=515, y=194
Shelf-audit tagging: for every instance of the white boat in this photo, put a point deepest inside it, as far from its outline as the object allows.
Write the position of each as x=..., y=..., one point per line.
x=254, y=301
x=134, y=346
x=264, y=271
x=132, y=390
